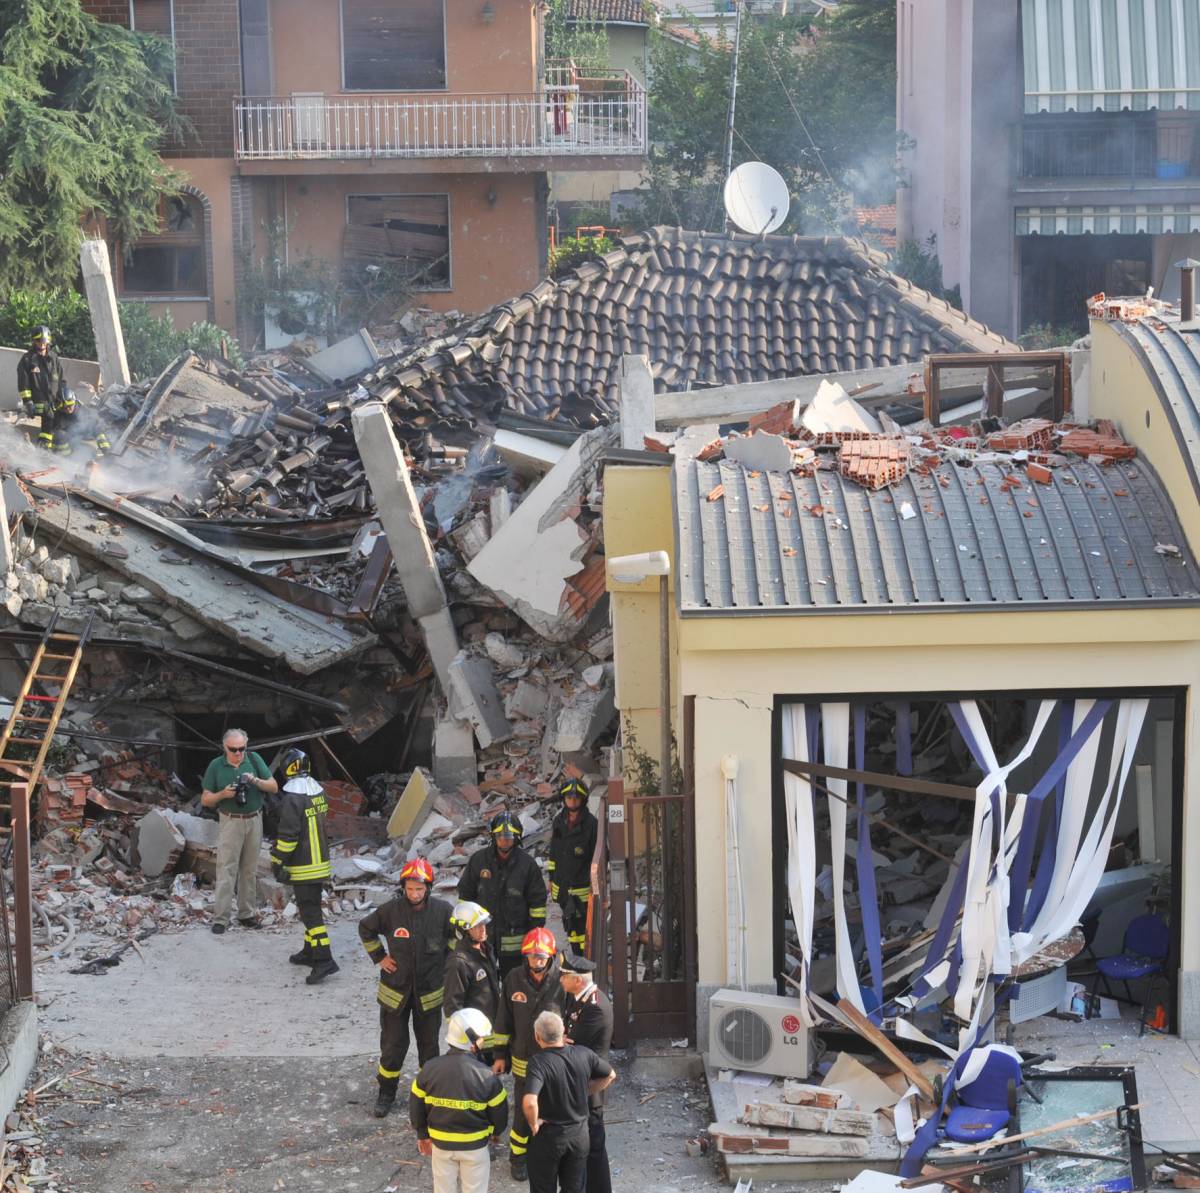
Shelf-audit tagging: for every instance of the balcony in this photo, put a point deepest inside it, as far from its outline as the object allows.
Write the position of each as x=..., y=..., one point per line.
x=570, y=117
x=1110, y=145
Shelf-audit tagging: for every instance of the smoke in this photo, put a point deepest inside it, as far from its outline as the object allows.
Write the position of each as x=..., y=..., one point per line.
x=168, y=477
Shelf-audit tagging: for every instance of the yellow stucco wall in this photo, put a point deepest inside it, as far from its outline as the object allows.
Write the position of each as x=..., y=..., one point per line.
x=735, y=666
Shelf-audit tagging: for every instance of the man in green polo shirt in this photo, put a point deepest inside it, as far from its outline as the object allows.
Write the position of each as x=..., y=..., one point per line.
x=240, y=837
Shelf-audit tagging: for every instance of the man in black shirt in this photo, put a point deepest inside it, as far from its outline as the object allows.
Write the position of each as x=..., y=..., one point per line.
x=560, y=1080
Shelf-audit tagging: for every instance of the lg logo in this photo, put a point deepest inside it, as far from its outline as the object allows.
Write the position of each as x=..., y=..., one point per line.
x=791, y=1026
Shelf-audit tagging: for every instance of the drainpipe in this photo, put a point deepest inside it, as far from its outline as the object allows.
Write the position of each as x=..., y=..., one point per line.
x=1187, y=292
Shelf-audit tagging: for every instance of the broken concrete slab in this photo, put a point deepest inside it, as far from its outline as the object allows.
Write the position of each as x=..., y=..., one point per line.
x=550, y=546
x=213, y=595
x=502, y=652
x=527, y=456
x=527, y=701
x=741, y=1138
x=345, y=359
x=584, y=719
x=160, y=843
x=808, y=1118
x=454, y=762
x=832, y=412
x=474, y=698
x=760, y=452
x=413, y=806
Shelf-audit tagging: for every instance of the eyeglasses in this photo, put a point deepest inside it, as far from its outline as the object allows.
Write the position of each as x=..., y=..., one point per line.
x=235, y=749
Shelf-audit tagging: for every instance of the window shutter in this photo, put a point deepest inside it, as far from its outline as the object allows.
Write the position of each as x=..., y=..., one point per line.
x=393, y=45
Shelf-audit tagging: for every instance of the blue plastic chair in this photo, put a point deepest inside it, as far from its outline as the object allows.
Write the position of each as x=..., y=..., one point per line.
x=987, y=1104
x=1146, y=944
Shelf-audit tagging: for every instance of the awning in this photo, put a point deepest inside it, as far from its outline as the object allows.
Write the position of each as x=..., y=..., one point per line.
x=1081, y=55
x=1137, y=217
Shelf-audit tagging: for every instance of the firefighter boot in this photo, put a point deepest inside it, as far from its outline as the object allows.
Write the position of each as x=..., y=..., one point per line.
x=517, y=1169
x=303, y=957
x=383, y=1103
x=321, y=970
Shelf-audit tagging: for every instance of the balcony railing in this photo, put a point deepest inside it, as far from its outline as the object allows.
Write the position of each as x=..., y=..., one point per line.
x=584, y=118
x=1126, y=145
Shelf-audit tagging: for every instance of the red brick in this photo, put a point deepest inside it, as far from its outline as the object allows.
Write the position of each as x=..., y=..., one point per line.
x=1039, y=473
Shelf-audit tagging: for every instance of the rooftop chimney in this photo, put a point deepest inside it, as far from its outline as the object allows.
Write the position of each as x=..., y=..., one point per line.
x=1187, y=291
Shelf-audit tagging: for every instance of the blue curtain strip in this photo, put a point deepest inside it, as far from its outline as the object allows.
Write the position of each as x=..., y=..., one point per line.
x=1019, y=884
x=1045, y=867
x=867, y=894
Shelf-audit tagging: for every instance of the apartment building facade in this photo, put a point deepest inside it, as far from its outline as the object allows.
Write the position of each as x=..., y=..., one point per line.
x=367, y=133
x=1053, y=149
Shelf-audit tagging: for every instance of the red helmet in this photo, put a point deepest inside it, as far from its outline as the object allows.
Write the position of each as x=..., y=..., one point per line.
x=539, y=940
x=418, y=868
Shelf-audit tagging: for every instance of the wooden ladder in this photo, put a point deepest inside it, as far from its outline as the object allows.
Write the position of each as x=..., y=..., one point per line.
x=37, y=726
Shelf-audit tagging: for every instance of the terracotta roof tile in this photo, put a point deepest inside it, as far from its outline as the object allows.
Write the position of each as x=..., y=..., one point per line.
x=628, y=12
x=707, y=309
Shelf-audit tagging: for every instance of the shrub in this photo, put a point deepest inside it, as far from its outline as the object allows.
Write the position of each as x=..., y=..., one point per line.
x=1038, y=337
x=151, y=342
x=574, y=250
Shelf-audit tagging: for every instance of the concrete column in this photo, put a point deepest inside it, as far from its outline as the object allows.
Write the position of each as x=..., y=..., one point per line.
x=637, y=402
x=399, y=509
x=106, y=321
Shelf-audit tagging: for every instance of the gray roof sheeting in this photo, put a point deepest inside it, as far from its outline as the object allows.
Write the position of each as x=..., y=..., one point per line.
x=1087, y=538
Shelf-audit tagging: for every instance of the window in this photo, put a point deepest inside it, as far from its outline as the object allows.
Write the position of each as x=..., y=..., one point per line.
x=410, y=233
x=172, y=261
x=157, y=17
x=393, y=45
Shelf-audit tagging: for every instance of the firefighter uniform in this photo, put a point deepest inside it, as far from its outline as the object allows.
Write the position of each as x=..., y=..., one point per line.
x=39, y=380
x=522, y=1000
x=471, y=981
x=588, y=1020
x=514, y=891
x=571, y=849
x=458, y=1104
x=419, y=941
x=300, y=856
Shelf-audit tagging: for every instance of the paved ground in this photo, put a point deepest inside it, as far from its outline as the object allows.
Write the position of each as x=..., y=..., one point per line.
x=234, y=1077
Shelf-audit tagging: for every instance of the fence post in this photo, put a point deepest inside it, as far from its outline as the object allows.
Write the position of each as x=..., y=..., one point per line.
x=23, y=935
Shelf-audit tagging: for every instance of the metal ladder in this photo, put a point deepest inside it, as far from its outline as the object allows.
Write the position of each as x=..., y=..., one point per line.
x=56, y=647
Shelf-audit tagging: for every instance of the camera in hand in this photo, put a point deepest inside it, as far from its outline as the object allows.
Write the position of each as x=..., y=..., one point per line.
x=241, y=793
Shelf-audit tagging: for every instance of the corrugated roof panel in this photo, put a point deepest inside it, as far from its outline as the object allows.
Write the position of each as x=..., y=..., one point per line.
x=1089, y=535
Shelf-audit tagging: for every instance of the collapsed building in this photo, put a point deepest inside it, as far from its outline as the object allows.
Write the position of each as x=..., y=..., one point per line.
x=402, y=562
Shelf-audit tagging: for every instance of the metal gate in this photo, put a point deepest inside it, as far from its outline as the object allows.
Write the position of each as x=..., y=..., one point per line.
x=651, y=912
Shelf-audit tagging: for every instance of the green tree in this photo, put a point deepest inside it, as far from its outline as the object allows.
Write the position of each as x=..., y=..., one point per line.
x=584, y=41
x=83, y=108
x=816, y=100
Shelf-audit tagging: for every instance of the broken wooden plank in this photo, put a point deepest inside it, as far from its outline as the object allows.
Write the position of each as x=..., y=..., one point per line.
x=158, y=393
x=215, y=596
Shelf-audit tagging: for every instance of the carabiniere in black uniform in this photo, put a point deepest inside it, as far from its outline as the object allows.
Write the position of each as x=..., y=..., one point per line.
x=418, y=940
x=588, y=1020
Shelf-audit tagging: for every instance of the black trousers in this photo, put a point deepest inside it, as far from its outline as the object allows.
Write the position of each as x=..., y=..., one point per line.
x=393, y=1039
x=574, y=914
x=599, y=1178
x=558, y=1160
x=308, y=903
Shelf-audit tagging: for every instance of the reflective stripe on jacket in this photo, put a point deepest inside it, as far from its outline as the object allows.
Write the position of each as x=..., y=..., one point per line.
x=301, y=846
x=457, y=1102
x=419, y=940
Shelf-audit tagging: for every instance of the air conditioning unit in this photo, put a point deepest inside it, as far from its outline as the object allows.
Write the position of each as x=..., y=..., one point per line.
x=762, y=1033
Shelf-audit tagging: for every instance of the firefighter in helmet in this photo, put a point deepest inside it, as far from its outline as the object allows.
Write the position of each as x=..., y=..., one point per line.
x=572, y=844
x=39, y=374
x=417, y=939
x=528, y=990
x=504, y=878
x=471, y=976
x=300, y=856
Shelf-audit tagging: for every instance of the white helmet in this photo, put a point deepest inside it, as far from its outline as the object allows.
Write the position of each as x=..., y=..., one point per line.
x=467, y=915
x=467, y=1028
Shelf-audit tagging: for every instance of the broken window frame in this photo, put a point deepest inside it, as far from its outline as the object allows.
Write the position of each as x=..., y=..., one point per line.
x=192, y=240
x=779, y=819
x=347, y=85
x=440, y=286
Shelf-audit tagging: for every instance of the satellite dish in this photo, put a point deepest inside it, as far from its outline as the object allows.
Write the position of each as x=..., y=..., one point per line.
x=756, y=198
